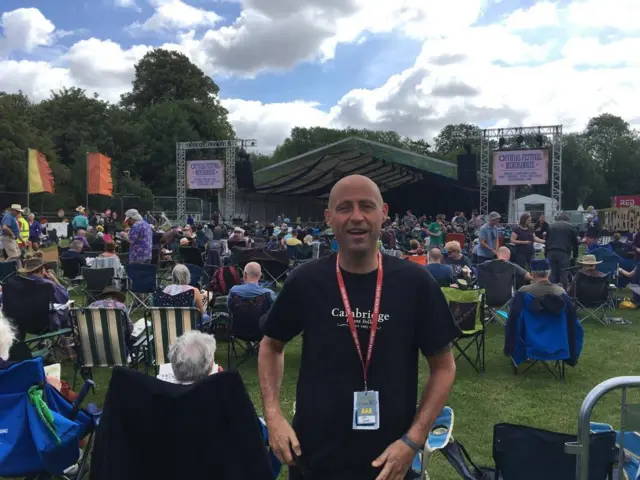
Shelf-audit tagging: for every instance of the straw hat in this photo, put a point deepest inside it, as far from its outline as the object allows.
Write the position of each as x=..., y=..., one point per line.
x=80, y=209
x=113, y=292
x=17, y=207
x=589, y=260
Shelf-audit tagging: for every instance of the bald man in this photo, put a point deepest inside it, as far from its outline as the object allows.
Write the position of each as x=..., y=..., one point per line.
x=356, y=416
x=504, y=255
x=251, y=288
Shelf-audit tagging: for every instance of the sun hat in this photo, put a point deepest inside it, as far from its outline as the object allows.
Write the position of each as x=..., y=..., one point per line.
x=80, y=209
x=31, y=265
x=589, y=260
x=113, y=292
x=17, y=207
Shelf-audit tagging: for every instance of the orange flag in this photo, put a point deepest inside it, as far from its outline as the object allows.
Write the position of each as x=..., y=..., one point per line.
x=99, y=177
x=40, y=176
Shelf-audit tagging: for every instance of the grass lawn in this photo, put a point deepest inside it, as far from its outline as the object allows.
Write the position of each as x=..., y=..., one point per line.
x=480, y=401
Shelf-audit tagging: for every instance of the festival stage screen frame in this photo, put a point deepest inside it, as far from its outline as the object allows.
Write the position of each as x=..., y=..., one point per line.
x=521, y=167
x=205, y=174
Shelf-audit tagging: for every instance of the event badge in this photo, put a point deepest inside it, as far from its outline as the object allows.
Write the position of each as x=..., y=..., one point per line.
x=366, y=411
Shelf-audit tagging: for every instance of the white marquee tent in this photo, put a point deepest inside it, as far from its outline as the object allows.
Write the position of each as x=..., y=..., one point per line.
x=535, y=204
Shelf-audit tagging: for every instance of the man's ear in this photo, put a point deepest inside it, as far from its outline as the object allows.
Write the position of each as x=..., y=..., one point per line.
x=327, y=216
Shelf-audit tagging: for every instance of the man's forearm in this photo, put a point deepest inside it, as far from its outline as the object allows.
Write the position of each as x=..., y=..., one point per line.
x=434, y=398
x=270, y=372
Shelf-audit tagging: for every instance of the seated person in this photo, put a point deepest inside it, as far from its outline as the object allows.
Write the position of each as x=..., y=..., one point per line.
x=504, y=255
x=250, y=288
x=81, y=236
x=111, y=297
x=415, y=248
x=457, y=261
x=74, y=255
x=237, y=235
x=618, y=246
x=192, y=358
x=109, y=251
x=36, y=269
x=443, y=274
x=292, y=240
x=588, y=263
x=541, y=286
x=181, y=277
x=273, y=244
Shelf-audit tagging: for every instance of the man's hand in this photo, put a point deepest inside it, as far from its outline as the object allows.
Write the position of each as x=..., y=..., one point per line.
x=395, y=460
x=282, y=439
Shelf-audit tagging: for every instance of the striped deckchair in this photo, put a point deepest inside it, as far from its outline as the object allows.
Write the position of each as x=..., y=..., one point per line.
x=101, y=337
x=165, y=325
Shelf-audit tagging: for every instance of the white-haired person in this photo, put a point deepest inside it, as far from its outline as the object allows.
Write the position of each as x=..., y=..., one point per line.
x=7, y=338
x=140, y=237
x=192, y=358
x=180, y=280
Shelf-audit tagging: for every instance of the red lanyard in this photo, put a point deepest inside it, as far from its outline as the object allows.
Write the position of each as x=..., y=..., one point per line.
x=374, y=316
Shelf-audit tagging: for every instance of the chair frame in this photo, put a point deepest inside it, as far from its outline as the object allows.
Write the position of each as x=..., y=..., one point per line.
x=154, y=341
x=556, y=368
x=138, y=299
x=92, y=295
x=493, y=310
x=476, y=338
x=86, y=372
x=592, y=309
x=250, y=348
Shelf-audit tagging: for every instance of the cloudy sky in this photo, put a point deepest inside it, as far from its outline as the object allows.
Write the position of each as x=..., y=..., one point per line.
x=407, y=65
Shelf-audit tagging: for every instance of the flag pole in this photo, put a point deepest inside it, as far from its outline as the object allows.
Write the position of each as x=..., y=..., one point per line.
x=28, y=181
x=87, y=203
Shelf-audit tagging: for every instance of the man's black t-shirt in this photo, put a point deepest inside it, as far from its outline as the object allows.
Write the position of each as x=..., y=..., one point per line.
x=414, y=315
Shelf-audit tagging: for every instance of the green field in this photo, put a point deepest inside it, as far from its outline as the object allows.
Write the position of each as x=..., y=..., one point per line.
x=480, y=401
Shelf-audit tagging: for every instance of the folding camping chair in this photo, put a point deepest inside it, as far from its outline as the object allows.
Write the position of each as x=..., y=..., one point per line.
x=525, y=453
x=244, y=326
x=467, y=307
x=419, y=259
x=497, y=278
x=610, y=263
x=545, y=332
x=191, y=255
x=195, y=272
x=28, y=305
x=164, y=325
x=7, y=270
x=213, y=425
x=142, y=283
x=456, y=237
x=592, y=295
x=102, y=339
x=96, y=279
x=28, y=448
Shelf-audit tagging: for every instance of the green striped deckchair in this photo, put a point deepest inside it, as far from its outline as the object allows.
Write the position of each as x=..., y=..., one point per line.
x=101, y=334
x=167, y=324
x=467, y=309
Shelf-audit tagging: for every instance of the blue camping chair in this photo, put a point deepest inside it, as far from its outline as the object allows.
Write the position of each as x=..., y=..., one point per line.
x=544, y=331
x=143, y=282
x=610, y=262
x=32, y=446
x=195, y=272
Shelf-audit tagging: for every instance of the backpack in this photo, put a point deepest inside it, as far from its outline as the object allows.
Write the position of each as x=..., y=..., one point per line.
x=223, y=279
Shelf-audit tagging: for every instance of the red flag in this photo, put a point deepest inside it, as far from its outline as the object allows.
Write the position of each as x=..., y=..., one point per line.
x=99, y=177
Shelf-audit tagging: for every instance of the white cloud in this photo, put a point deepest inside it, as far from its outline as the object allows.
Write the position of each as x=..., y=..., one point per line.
x=127, y=4
x=177, y=15
x=102, y=64
x=24, y=30
x=543, y=14
x=487, y=74
x=35, y=79
x=621, y=15
x=271, y=123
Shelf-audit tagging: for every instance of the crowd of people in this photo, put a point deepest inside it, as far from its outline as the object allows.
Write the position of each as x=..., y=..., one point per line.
x=372, y=281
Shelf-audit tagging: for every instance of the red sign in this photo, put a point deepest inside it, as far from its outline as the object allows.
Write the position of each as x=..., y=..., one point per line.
x=622, y=201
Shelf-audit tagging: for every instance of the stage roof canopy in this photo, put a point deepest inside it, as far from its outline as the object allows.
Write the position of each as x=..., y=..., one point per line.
x=314, y=173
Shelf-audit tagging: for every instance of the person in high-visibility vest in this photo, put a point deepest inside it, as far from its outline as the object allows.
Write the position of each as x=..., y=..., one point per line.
x=24, y=231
